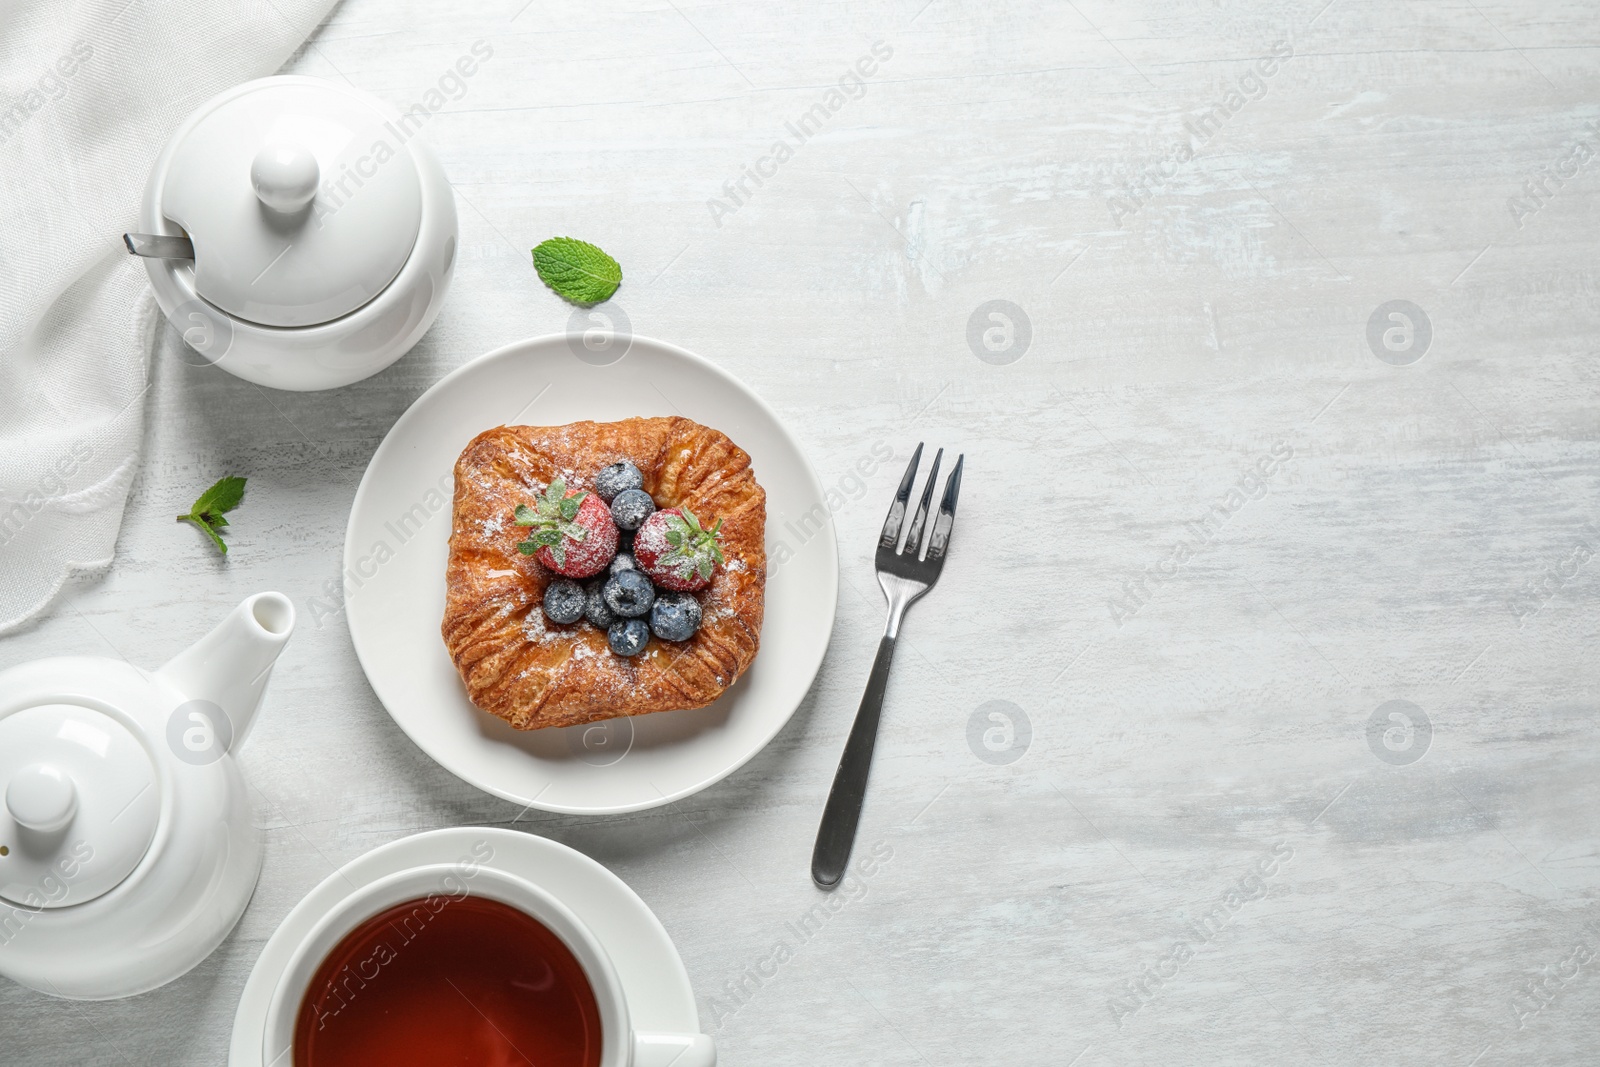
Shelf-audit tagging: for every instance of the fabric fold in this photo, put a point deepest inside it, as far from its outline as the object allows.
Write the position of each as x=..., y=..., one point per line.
x=89, y=93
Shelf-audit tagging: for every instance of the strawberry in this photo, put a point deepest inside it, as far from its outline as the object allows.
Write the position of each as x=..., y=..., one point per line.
x=676, y=551
x=572, y=533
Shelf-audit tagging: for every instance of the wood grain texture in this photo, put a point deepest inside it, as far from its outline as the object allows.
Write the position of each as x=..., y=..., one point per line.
x=1190, y=722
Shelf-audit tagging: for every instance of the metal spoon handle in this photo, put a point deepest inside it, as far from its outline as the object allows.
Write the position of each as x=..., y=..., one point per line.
x=158, y=246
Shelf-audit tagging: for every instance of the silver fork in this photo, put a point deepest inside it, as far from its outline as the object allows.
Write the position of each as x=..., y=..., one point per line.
x=905, y=574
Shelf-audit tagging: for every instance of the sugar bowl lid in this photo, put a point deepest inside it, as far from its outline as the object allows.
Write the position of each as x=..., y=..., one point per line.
x=300, y=197
x=79, y=805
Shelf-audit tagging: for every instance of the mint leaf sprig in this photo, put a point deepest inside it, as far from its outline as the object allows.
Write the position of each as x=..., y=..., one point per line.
x=550, y=518
x=694, y=548
x=208, y=508
x=576, y=271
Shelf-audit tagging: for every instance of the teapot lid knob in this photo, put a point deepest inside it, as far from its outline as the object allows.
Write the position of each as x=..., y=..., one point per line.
x=285, y=176
x=42, y=797
x=82, y=801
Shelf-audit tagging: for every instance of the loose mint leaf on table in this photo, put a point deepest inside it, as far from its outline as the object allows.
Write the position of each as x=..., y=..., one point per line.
x=206, y=512
x=576, y=271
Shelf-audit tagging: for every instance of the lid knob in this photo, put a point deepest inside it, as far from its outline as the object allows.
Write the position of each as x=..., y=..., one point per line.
x=42, y=797
x=285, y=176
x=82, y=804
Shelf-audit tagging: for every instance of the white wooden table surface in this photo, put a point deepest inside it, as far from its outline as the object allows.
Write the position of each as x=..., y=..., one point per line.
x=1198, y=206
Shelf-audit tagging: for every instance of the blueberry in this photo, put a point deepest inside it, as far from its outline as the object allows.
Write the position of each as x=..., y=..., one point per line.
x=628, y=593
x=617, y=478
x=631, y=507
x=675, y=616
x=595, y=609
x=627, y=637
x=623, y=562
x=563, y=600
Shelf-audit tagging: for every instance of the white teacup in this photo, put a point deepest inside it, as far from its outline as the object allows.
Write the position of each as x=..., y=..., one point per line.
x=620, y=1044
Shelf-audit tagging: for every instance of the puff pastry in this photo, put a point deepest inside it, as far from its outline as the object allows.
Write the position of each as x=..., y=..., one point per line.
x=534, y=673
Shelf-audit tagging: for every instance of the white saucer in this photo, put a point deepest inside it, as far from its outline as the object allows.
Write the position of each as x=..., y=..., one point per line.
x=396, y=548
x=659, y=995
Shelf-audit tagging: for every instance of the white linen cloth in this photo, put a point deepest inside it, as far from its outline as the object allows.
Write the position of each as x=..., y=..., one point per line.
x=90, y=90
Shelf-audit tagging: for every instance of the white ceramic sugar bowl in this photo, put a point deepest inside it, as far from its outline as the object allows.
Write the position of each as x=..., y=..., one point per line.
x=128, y=847
x=298, y=233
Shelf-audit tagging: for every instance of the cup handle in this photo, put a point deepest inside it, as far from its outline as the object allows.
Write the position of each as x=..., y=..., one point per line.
x=673, y=1050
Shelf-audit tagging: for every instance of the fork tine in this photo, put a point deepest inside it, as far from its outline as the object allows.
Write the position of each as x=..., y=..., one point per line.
x=939, y=539
x=890, y=537
x=913, y=547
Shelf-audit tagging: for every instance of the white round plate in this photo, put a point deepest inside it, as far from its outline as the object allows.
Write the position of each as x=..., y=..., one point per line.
x=657, y=987
x=396, y=547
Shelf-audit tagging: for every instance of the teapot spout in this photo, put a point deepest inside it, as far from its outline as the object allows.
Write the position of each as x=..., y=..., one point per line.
x=230, y=665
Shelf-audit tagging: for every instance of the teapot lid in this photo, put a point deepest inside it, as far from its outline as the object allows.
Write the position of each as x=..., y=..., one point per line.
x=301, y=199
x=80, y=805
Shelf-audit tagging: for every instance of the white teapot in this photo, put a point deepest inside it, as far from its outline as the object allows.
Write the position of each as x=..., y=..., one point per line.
x=128, y=849
x=298, y=233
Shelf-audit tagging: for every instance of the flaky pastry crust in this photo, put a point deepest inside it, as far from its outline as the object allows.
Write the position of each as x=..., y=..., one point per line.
x=534, y=673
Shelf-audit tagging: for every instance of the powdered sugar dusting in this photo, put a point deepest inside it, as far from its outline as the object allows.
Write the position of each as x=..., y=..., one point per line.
x=535, y=630
x=652, y=539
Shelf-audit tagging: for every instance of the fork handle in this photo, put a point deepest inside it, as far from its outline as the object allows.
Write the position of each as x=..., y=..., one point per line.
x=837, y=834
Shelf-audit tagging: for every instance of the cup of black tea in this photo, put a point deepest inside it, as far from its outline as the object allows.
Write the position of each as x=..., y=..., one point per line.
x=423, y=968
